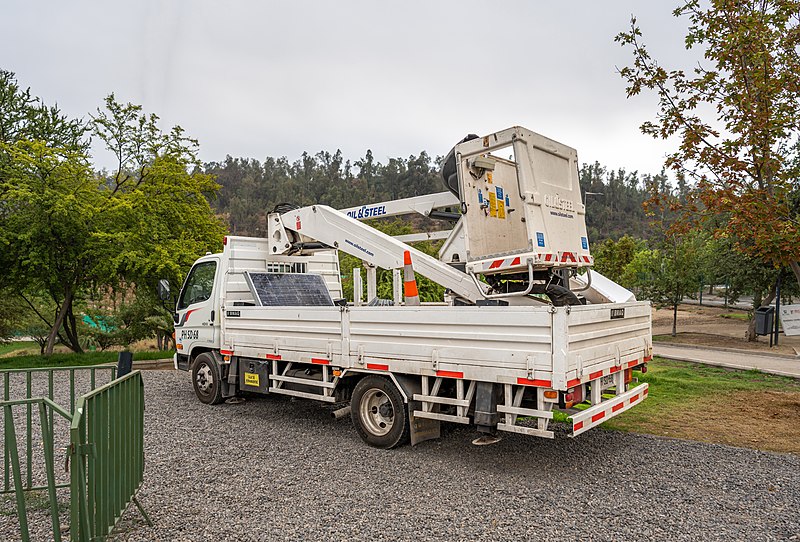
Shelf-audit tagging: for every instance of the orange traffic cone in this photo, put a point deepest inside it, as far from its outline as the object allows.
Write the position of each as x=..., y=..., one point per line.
x=409, y=282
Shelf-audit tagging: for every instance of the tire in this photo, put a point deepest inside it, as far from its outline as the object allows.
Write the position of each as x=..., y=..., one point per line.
x=206, y=379
x=379, y=413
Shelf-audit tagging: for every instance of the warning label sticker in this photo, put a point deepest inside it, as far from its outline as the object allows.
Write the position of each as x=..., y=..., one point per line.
x=492, y=204
x=501, y=203
x=251, y=379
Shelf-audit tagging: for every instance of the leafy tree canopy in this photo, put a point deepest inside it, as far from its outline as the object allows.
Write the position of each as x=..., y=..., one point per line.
x=737, y=117
x=66, y=230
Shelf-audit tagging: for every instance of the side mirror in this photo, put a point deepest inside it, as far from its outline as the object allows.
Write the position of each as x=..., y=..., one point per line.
x=163, y=289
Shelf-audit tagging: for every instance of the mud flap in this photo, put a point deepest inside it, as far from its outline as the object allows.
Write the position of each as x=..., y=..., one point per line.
x=421, y=429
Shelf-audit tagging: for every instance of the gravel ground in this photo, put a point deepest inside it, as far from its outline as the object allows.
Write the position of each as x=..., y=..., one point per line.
x=276, y=469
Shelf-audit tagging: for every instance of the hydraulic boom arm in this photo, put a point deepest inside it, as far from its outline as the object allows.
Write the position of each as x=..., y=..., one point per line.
x=335, y=229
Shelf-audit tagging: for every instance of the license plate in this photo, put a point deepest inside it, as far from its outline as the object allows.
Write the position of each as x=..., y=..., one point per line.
x=607, y=382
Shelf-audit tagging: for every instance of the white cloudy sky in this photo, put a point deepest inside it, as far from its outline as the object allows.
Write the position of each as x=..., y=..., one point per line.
x=256, y=78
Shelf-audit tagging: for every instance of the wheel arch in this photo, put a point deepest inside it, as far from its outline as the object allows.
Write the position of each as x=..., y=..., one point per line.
x=407, y=385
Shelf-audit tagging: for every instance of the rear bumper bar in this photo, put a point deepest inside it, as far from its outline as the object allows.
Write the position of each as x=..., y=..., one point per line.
x=597, y=414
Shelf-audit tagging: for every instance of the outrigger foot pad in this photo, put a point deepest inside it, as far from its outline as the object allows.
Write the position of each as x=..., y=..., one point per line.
x=485, y=440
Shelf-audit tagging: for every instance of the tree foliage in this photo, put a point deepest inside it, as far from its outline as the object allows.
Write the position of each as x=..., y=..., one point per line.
x=250, y=189
x=66, y=230
x=737, y=117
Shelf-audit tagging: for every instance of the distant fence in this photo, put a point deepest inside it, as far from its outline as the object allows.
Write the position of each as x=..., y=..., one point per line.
x=105, y=455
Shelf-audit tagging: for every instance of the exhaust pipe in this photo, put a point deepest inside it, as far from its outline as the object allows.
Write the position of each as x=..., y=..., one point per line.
x=341, y=413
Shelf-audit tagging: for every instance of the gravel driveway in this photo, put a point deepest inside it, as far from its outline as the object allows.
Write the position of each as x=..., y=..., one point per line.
x=276, y=469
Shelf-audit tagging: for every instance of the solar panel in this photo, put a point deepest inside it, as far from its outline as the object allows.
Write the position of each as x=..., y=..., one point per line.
x=289, y=289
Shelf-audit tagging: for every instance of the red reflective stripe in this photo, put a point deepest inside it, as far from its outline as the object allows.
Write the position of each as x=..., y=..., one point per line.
x=614, y=369
x=320, y=361
x=527, y=382
x=645, y=391
x=272, y=356
x=377, y=367
x=598, y=416
x=617, y=407
x=648, y=358
x=515, y=261
x=496, y=264
x=450, y=374
x=633, y=363
x=226, y=352
x=634, y=398
x=577, y=426
x=596, y=374
x=547, y=257
x=573, y=382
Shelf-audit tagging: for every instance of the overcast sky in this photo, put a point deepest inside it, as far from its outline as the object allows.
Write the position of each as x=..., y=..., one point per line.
x=256, y=78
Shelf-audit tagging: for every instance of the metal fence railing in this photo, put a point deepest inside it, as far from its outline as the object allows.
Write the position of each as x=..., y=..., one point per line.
x=19, y=384
x=107, y=454
x=105, y=450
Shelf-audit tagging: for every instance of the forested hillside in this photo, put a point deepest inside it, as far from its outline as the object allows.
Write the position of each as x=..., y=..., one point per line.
x=251, y=188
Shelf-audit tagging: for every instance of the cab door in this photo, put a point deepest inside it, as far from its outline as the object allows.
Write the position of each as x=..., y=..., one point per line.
x=195, y=314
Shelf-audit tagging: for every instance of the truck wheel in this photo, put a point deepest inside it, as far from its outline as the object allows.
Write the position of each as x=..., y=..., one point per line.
x=206, y=379
x=379, y=413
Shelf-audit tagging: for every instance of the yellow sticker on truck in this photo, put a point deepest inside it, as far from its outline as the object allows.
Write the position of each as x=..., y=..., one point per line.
x=501, y=205
x=251, y=379
x=492, y=205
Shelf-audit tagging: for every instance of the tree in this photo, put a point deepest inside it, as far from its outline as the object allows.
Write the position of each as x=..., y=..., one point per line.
x=65, y=229
x=737, y=117
x=51, y=203
x=668, y=273
x=612, y=257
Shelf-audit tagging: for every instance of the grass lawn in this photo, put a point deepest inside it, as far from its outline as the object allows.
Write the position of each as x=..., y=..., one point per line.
x=71, y=359
x=15, y=346
x=713, y=404
x=743, y=316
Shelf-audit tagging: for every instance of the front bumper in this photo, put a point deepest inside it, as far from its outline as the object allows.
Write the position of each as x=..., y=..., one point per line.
x=597, y=414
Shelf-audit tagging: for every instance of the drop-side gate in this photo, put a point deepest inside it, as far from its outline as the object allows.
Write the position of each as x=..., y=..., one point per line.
x=104, y=457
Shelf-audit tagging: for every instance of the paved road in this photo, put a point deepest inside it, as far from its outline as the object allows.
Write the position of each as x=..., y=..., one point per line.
x=784, y=366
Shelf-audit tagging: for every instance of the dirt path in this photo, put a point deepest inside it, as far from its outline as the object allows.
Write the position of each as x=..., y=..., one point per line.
x=716, y=327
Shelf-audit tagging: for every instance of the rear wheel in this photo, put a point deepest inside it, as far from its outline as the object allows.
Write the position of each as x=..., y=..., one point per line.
x=206, y=379
x=379, y=413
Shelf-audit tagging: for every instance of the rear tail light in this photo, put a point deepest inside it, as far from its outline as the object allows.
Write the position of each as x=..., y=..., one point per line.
x=551, y=394
x=628, y=375
x=573, y=396
x=225, y=240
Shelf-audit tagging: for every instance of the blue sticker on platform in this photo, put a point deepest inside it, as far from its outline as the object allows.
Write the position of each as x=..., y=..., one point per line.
x=539, y=238
x=507, y=203
x=480, y=196
x=499, y=191
x=584, y=243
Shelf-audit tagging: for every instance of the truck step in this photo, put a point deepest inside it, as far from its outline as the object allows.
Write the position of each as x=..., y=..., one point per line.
x=441, y=417
x=525, y=430
x=304, y=395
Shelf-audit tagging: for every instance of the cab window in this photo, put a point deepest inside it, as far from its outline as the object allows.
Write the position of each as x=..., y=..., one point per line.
x=199, y=285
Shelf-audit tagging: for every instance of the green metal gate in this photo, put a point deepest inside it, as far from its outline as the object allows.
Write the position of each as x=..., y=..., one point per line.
x=105, y=454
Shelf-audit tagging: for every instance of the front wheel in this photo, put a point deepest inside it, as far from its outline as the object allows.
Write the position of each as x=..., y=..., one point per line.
x=206, y=379
x=379, y=413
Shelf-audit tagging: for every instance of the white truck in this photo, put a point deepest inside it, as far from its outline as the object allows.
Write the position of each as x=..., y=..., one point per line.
x=520, y=334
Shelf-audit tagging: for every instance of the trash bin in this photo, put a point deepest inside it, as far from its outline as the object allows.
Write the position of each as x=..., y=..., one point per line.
x=765, y=320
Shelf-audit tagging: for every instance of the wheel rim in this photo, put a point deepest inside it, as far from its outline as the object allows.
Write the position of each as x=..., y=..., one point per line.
x=377, y=412
x=205, y=379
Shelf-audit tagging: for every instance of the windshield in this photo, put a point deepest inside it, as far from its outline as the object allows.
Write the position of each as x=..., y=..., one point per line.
x=198, y=285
